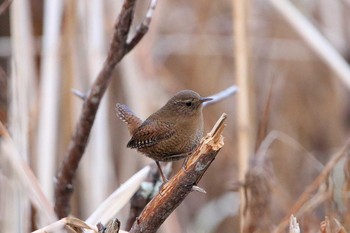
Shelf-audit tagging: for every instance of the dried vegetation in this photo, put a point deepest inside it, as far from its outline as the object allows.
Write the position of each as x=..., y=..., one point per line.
x=285, y=163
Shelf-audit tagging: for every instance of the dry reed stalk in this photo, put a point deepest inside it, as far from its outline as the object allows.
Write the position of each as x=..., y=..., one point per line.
x=75, y=225
x=70, y=73
x=264, y=121
x=333, y=26
x=257, y=211
x=99, y=156
x=314, y=39
x=324, y=194
x=307, y=194
x=275, y=135
x=346, y=190
x=26, y=177
x=3, y=96
x=23, y=88
x=244, y=99
x=22, y=94
x=257, y=185
x=328, y=226
x=49, y=96
x=68, y=224
x=118, y=199
x=75, y=28
x=137, y=88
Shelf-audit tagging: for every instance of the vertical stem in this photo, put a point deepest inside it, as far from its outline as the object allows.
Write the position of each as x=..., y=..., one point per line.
x=49, y=96
x=245, y=127
x=102, y=165
x=22, y=94
x=314, y=39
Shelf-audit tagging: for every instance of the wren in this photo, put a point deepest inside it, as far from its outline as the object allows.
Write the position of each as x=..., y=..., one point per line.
x=169, y=134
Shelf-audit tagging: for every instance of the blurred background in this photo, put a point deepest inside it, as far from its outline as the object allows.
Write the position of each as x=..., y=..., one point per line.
x=298, y=102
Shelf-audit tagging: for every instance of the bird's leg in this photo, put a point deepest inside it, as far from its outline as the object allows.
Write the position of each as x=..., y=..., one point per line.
x=184, y=164
x=184, y=168
x=194, y=187
x=161, y=172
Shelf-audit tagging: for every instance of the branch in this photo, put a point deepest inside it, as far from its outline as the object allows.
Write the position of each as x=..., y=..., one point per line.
x=143, y=27
x=293, y=225
x=5, y=6
x=176, y=190
x=112, y=226
x=118, y=49
x=222, y=95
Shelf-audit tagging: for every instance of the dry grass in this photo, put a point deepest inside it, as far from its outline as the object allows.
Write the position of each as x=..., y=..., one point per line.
x=298, y=97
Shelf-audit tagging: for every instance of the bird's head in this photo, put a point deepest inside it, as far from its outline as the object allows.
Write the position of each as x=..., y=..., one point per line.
x=185, y=103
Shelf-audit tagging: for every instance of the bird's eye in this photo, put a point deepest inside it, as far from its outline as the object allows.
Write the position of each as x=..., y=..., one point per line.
x=189, y=103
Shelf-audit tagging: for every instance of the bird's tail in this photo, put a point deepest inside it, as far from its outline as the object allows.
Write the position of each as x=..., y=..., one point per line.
x=126, y=115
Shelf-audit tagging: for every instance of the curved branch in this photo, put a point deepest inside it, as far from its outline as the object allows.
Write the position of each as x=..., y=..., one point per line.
x=118, y=49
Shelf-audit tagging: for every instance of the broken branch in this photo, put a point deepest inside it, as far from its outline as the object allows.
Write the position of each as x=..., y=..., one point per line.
x=176, y=190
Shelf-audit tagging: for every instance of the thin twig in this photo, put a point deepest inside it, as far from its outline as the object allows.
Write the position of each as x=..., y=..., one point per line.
x=264, y=121
x=328, y=226
x=176, y=190
x=314, y=39
x=305, y=196
x=79, y=94
x=224, y=94
x=275, y=135
x=118, y=49
x=142, y=29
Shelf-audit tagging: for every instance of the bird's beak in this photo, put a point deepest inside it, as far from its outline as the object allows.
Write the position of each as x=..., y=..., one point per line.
x=205, y=99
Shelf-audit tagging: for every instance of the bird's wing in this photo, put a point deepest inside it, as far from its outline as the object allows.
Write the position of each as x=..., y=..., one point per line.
x=126, y=115
x=150, y=133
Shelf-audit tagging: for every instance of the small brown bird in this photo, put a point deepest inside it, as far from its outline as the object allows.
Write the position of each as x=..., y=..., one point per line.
x=169, y=134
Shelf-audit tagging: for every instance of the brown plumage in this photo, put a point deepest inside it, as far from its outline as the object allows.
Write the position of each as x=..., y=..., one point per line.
x=172, y=132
